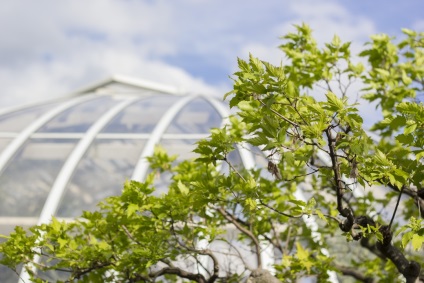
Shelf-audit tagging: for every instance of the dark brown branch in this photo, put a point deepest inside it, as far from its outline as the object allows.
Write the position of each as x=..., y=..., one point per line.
x=297, y=216
x=197, y=277
x=396, y=207
x=279, y=212
x=409, y=269
x=365, y=243
x=79, y=273
x=346, y=226
x=347, y=271
x=385, y=250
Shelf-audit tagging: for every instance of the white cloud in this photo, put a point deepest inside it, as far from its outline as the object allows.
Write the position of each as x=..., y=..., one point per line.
x=37, y=82
x=49, y=48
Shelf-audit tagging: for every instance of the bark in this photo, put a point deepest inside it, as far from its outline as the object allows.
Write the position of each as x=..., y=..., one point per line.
x=262, y=276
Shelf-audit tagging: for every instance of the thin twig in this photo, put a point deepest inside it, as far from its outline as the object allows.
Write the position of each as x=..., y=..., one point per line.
x=234, y=169
x=396, y=207
x=300, y=215
x=242, y=229
x=129, y=234
x=279, y=115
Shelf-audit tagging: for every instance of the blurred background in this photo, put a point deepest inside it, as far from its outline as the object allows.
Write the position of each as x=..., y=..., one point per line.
x=49, y=48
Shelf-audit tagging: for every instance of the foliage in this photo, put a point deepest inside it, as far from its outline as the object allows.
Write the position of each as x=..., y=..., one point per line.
x=337, y=199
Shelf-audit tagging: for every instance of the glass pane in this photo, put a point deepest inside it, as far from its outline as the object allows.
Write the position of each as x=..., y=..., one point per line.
x=9, y=276
x=235, y=159
x=100, y=174
x=198, y=116
x=28, y=178
x=261, y=162
x=8, y=224
x=79, y=118
x=4, y=143
x=142, y=116
x=19, y=120
x=184, y=150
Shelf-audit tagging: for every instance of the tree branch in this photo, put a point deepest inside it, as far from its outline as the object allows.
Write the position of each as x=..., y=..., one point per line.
x=409, y=269
x=197, y=277
x=245, y=231
x=346, y=226
x=354, y=273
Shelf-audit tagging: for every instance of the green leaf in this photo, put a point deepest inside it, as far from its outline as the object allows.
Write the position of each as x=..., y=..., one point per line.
x=397, y=122
x=298, y=202
x=334, y=103
x=132, y=208
x=336, y=41
x=409, y=32
x=406, y=238
x=321, y=215
x=405, y=139
x=183, y=189
x=417, y=242
x=410, y=128
x=62, y=242
x=406, y=80
x=245, y=106
x=301, y=253
x=103, y=245
x=250, y=204
x=56, y=224
x=258, y=140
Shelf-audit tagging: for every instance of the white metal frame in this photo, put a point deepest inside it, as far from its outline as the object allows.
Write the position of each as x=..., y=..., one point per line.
x=73, y=159
x=142, y=84
x=142, y=166
x=22, y=137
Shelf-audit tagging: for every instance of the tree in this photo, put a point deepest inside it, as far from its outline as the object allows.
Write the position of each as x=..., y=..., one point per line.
x=341, y=200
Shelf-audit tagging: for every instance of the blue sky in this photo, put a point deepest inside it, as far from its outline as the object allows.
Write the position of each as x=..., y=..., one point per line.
x=49, y=48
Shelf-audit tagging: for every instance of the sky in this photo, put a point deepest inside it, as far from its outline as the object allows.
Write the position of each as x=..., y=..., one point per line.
x=49, y=48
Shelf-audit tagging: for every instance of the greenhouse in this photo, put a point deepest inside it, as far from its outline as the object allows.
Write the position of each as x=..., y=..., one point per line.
x=62, y=157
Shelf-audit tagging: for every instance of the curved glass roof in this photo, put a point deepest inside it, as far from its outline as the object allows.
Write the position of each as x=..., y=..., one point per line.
x=59, y=158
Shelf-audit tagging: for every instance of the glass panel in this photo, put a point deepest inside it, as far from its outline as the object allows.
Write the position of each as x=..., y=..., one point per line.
x=100, y=174
x=198, y=116
x=184, y=150
x=142, y=116
x=28, y=178
x=9, y=276
x=235, y=160
x=18, y=120
x=4, y=143
x=8, y=224
x=233, y=253
x=79, y=118
x=261, y=162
